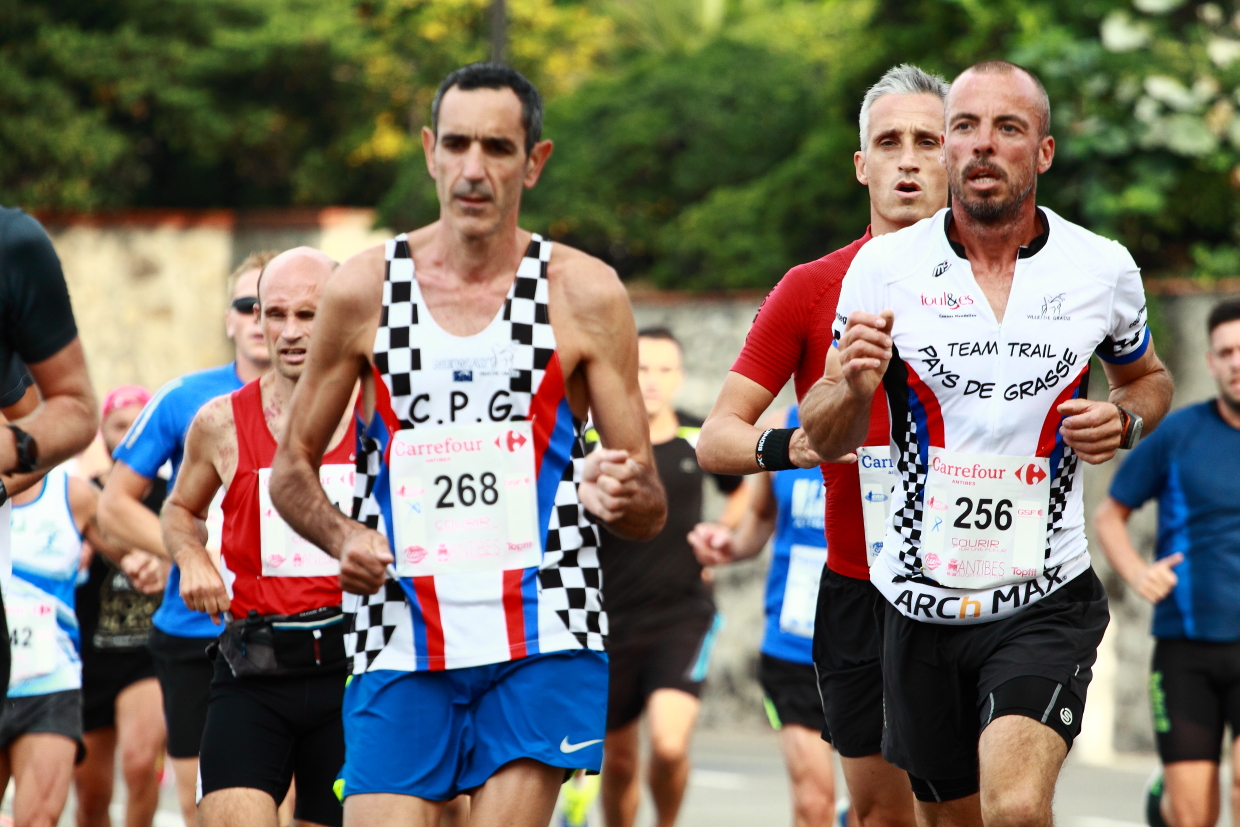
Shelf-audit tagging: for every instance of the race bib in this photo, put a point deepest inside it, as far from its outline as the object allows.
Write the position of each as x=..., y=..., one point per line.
x=984, y=520
x=285, y=552
x=465, y=499
x=805, y=564
x=6, y=554
x=878, y=478
x=32, y=638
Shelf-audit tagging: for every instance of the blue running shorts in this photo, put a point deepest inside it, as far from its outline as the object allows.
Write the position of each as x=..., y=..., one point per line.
x=437, y=734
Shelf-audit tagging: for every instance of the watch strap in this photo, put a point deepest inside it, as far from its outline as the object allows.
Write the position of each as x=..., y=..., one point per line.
x=27, y=450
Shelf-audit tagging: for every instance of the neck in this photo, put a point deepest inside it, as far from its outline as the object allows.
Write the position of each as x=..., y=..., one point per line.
x=1230, y=411
x=663, y=426
x=248, y=370
x=995, y=244
x=276, y=392
x=30, y=494
x=882, y=226
x=481, y=258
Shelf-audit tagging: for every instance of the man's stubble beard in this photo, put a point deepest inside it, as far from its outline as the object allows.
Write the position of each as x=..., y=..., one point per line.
x=989, y=210
x=1232, y=404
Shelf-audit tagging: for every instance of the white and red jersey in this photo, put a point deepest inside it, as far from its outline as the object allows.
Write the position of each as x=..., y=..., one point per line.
x=961, y=384
x=470, y=467
x=266, y=566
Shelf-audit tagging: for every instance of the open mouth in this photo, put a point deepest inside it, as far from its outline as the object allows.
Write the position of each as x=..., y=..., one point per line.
x=908, y=188
x=985, y=177
x=293, y=354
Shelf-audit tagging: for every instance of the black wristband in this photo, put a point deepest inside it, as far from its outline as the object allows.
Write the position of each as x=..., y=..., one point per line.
x=27, y=450
x=771, y=452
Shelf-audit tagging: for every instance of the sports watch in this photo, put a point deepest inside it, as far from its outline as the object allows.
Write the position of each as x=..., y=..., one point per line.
x=27, y=450
x=1132, y=426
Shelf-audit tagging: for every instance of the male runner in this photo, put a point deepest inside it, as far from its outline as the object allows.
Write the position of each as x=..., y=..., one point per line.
x=660, y=614
x=476, y=619
x=1190, y=466
x=789, y=505
x=181, y=636
x=121, y=702
x=993, y=615
x=38, y=334
x=41, y=731
x=901, y=133
x=273, y=711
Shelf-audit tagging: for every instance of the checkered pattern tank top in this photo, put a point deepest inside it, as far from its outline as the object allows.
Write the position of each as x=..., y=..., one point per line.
x=426, y=378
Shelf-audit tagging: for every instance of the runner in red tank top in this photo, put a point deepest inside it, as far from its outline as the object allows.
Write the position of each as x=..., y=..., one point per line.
x=901, y=138
x=274, y=708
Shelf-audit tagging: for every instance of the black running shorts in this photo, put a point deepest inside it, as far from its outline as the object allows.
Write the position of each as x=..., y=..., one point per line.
x=56, y=713
x=791, y=691
x=673, y=657
x=184, y=673
x=1194, y=693
x=943, y=685
x=261, y=731
x=846, y=653
x=105, y=674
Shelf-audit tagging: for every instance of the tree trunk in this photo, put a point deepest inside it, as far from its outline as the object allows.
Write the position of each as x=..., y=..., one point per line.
x=499, y=31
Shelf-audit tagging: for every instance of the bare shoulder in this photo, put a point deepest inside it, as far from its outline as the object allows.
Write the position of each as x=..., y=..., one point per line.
x=357, y=284
x=589, y=289
x=213, y=421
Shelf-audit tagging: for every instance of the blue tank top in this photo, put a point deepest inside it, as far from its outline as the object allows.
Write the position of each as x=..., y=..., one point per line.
x=799, y=554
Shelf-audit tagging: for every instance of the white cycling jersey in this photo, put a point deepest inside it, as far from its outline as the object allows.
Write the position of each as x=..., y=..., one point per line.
x=974, y=410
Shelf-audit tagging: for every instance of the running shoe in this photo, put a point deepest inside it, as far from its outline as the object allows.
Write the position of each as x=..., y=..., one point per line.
x=577, y=797
x=1153, y=800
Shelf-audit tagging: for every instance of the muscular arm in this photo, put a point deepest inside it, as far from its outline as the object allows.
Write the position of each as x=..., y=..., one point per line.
x=199, y=478
x=622, y=489
x=84, y=502
x=835, y=412
x=729, y=437
x=1093, y=428
x=66, y=421
x=122, y=515
x=1153, y=582
x=339, y=353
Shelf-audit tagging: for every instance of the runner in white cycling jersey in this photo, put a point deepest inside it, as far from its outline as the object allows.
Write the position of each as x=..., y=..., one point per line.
x=980, y=323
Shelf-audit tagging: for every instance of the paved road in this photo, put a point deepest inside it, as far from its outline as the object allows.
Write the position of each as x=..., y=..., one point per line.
x=738, y=781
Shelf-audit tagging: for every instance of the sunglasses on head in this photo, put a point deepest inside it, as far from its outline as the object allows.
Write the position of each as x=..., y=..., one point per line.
x=245, y=304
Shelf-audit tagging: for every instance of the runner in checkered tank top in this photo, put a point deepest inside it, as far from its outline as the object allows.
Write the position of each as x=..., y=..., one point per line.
x=472, y=584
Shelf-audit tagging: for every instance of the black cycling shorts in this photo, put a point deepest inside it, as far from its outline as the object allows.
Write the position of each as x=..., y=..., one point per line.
x=791, y=691
x=262, y=731
x=942, y=685
x=846, y=654
x=1194, y=693
x=184, y=673
x=674, y=657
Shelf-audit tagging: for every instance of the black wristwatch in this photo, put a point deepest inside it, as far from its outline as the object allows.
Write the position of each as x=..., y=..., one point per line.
x=1132, y=426
x=4, y=493
x=27, y=450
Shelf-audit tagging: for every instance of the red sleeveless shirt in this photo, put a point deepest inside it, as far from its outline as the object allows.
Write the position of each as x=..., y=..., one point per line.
x=241, y=540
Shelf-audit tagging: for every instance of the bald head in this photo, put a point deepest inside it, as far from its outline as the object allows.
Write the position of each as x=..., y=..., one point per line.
x=289, y=290
x=1014, y=80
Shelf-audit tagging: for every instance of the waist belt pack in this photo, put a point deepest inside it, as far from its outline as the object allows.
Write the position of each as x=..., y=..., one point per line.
x=284, y=645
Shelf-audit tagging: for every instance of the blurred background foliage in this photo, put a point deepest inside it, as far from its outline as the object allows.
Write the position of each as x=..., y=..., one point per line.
x=701, y=144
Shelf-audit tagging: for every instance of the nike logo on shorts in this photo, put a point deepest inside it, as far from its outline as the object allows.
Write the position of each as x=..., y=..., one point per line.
x=566, y=747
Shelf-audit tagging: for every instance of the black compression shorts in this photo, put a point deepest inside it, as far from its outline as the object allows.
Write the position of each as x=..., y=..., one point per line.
x=261, y=731
x=846, y=650
x=791, y=691
x=105, y=674
x=673, y=657
x=184, y=673
x=1194, y=693
x=942, y=685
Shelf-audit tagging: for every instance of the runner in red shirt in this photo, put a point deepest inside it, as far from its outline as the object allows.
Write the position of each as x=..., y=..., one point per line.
x=899, y=161
x=274, y=708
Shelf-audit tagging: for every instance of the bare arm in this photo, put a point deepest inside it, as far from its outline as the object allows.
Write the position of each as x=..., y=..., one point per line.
x=836, y=410
x=729, y=437
x=202, y=588
x=1152, y=581
x=1093, y=428
x=339, y=353
x=620, y=483
x=63, y=425
x=123, y=517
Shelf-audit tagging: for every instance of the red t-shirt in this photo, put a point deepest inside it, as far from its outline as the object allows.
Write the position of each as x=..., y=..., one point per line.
x=790, y=337
x=241, y=539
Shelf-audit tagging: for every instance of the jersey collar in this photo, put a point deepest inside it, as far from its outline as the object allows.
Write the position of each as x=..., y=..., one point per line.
x=1030, y=251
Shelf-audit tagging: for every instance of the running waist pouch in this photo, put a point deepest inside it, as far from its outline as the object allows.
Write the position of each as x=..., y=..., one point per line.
x=274, y=645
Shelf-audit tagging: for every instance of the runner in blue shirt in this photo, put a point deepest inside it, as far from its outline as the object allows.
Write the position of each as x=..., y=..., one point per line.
x=789, y=505
x=180, y=637
x=1190, y=465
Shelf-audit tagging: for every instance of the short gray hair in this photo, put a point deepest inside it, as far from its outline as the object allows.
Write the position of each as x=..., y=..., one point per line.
x=905, y=79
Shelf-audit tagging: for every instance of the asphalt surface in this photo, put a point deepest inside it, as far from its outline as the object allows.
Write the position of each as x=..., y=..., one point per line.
x=738, y=780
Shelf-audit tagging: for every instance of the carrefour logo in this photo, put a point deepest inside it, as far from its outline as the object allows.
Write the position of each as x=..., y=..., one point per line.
x=1030, y=474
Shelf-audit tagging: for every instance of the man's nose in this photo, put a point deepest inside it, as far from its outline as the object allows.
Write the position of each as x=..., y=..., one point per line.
x=474, y=169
